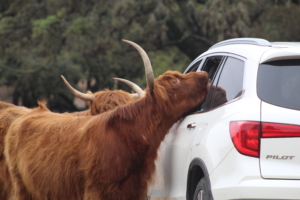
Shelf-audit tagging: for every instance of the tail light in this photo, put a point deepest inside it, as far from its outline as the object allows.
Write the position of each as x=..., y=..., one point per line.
x=270, y=130
x=246, y=135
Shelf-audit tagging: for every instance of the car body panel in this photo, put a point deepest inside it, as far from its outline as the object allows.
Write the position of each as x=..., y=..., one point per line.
x=217, y=131
x=275, y=156
x=280, y=54
x=175, y=151
x=179, y=148
x=238, y=177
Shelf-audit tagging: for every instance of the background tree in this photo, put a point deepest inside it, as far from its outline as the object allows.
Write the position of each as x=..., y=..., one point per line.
x=81, y=39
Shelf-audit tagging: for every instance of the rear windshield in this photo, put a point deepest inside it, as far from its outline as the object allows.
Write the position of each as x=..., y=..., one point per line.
x=278, y=83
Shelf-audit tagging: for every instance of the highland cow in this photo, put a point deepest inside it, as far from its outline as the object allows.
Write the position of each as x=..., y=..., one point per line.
x=108, y=156
x=100, y=102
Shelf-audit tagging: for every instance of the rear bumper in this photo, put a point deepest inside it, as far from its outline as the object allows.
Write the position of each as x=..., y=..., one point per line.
x=242, y=180
x=259, y=189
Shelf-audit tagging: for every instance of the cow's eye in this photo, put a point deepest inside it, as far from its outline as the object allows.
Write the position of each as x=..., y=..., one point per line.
x=175, y=81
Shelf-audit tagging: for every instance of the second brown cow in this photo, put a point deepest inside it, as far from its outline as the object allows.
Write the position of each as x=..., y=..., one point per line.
x=100, y=102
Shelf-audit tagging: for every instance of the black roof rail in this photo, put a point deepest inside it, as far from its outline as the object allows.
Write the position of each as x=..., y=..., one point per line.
x=254, y=41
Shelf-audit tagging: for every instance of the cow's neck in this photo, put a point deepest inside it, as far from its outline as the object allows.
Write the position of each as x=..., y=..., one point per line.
x=143, y=120
x=142, y=126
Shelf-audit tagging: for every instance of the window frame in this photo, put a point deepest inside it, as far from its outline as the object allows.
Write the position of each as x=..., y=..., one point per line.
x=191, y=68
x=217, y=77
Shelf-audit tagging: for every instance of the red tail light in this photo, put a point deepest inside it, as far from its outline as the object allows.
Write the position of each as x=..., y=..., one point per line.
x=246, y=137
x=270, y=130
x=246, y=134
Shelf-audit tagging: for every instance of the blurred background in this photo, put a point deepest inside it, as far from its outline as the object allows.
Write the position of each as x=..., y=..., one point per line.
x=82, y=40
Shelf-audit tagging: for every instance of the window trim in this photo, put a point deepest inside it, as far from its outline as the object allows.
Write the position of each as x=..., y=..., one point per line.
x=192, y=64
x=188, y=70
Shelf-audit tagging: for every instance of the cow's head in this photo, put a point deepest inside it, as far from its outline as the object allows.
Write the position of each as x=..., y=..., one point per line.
x=174, y=90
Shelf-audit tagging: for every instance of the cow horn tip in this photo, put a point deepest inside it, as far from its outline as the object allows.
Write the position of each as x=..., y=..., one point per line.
x=127, y=41
x=62, y=77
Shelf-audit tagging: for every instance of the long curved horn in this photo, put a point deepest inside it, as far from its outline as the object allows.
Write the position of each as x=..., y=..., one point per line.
x=134, y=86
x=87, y=97
x=147, y=63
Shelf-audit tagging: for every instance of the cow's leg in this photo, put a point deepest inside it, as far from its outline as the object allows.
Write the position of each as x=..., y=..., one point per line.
x=94, y=191
x=91, y=193
x=19, y=189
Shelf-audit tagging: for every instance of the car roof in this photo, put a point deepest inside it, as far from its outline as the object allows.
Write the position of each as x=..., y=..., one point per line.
x=256, y=49
x=285, y=44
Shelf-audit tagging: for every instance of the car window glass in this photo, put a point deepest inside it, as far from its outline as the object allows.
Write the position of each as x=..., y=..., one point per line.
x=230, y=83
x=278, y=83
x=194, y=67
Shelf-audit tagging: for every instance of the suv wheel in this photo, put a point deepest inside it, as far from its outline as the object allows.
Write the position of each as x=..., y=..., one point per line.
x=201, y=192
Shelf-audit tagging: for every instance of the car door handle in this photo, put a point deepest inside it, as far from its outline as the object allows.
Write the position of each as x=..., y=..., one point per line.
x=192, y=125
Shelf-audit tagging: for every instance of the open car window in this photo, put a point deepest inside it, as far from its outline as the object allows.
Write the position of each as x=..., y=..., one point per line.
x=227, y=82
x=211, y=66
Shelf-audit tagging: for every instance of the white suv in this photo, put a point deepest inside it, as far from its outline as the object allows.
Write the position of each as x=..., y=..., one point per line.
x=243, y=142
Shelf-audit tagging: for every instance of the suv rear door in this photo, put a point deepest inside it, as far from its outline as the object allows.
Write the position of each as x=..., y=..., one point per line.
x=278, y=86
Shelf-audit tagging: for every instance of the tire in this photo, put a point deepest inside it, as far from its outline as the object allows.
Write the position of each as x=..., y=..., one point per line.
x=202, y=192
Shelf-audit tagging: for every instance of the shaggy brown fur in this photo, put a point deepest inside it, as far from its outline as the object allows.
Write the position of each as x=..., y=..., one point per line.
x=104, y=157
x=8, y=113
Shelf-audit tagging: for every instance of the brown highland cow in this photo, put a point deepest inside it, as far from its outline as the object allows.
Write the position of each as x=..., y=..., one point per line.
x=103, y=157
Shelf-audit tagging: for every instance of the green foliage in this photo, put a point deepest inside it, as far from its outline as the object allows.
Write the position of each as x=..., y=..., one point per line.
x=276, y=26
x=82, y=25
x=168, y=59
x=41, y=26
x=43, y=39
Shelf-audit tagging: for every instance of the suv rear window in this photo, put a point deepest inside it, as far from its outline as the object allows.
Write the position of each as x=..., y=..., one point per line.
x=278, y=83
